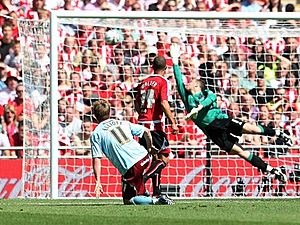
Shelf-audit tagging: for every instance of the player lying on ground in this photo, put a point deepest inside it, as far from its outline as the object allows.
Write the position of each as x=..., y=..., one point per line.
x=115, y=139
x=151, y=104
x=218, y=126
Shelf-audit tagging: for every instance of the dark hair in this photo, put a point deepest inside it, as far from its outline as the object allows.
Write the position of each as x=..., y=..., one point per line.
x=21, y=124
x=290, y=7
x=279, y=6
x=101, y=110
x=159, y=63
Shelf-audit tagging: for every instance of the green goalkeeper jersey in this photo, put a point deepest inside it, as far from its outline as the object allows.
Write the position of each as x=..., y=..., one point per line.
x=207, y=98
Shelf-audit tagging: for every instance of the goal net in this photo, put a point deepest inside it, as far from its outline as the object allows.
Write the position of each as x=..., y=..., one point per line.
x=251, y=64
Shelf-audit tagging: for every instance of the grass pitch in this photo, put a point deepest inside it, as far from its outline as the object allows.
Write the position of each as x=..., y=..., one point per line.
x=189, y=212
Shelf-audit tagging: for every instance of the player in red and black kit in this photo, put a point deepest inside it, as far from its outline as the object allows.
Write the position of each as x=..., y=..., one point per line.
x=151, y=104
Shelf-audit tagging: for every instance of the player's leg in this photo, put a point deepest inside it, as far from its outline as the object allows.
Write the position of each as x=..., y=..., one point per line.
x=160, y=145
x=154, y=172
x=257, y=162
x=220, y=133
x=249, y=128
x=133, y=186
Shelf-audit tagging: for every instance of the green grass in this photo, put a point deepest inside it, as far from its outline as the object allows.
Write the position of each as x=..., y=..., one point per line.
x=189, y=212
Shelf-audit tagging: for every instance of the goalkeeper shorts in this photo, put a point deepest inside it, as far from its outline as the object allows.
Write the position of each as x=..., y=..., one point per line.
x=223, y=131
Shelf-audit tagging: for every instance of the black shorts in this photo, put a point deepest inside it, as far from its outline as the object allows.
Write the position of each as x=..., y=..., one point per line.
x=159, y=141
x=221, y=132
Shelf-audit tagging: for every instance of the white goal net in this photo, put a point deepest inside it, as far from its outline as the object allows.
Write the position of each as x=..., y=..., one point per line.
x=251, y=64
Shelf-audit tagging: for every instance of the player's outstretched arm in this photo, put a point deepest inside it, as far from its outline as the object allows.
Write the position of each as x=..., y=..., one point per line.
x=97, y=173
x=175, y=54
x=193, y=112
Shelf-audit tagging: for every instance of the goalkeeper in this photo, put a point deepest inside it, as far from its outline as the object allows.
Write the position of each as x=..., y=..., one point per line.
x=221, y=129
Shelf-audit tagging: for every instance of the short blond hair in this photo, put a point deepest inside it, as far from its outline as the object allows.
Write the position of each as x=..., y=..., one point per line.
x=101, y=110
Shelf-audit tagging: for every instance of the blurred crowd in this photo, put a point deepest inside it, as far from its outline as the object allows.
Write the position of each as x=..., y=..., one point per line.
x=255, y=79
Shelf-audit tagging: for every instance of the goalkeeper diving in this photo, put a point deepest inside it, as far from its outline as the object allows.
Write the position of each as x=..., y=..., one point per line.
x=202, y=108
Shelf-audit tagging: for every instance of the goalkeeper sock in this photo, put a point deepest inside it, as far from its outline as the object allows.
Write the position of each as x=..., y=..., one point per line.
x=267, y=130
x=156, y=167
x=257, y=162
x=142, y=200
x=156, y=184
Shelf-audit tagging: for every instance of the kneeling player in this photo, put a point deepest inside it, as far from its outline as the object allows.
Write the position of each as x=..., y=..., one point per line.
x=115, y=139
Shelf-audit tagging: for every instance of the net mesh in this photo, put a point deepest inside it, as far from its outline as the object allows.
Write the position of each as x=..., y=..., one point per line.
x=252, y=66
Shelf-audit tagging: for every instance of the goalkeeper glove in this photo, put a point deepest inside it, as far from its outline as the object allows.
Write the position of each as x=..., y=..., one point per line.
x=193, y=113
x=175, y=53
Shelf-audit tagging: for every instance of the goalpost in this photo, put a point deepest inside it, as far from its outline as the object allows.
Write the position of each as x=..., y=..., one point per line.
x=66, y=57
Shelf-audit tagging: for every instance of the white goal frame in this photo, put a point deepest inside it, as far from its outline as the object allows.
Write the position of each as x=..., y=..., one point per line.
x=54, y=38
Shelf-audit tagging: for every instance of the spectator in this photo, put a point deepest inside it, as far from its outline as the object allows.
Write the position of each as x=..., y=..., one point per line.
x=17, y=103
x=82, y=139
x=9, y=93
x=291, y=51
x=72, y=124
x=13, y=21
x=18, y=139
x=171, y=5
x=117, y=102
x=69, y=56
x=233, y=92
x=207, y=69
x=37, y=5
x=231, y=55
x=3, y=76
x=86, y=61
x=292, y=124
x=62, y=106
x=249, y=107
x=129, y=113
x=137, y=7
x=88, y=99
x=127, y=82
x=188, y=5
x=234, y=110
x=7, y=41
x=281, y=74
x=63, y=82
x=4, y=141
x=69, y=6
x=279, y=103
x=274, y=6
x=117, y=62
x=250, y=6
x=292, y=92
x=74, y=95
x=262, y=94
x=9, y=124
x=222, y=76
x=249, y=81
x=157, y=6
x=188, y=135
x=40, y=121
x=258, y=52
x=13, y=59
x=200, y=6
